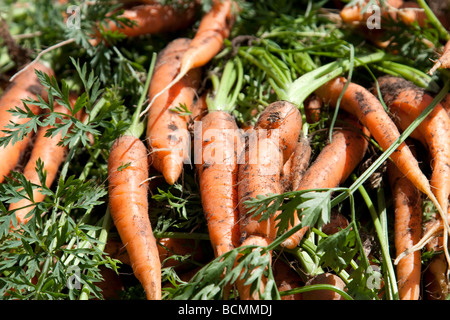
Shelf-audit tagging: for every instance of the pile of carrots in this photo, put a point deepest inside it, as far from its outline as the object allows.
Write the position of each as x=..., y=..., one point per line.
x=270, y=156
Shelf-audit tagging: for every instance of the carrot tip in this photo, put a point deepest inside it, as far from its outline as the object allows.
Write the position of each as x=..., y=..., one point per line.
x=171, y=169
x=288, y=243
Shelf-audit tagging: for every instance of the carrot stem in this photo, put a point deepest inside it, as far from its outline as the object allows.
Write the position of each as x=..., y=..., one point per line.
x=443, y=33
x=392, y=291
x=313, y=287
x=137, y=127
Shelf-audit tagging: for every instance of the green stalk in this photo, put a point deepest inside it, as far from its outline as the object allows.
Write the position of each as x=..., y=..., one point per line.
x=314, y=287
x=414, y=75
x=137, y=127
x=341, y=95
x=443, y=33
x=226, y=89
x=392, y=289
x=301, y=88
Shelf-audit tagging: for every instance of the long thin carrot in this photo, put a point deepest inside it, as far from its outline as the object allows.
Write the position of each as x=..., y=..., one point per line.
x=369, y=110
x=218, y=179
x=48, y=150
x=214, y=27
x=128, y=170
x=25, y=86
x=128, y=202
x=406, y=102
x=167, y=134
x=259, y=173
x=407, y=232
x=335, y=162
x=152, y=18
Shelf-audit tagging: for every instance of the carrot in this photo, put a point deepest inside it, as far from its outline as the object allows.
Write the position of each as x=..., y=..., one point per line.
x=48, y=150
x=259, y=172
x=335, y=162
x=128, y=203
x=406, y=102
x=217, y=164
x=25, y=86
x=353, y=13
x=337, y=222
x=199, y=109
x=152, y=18
x=444, y=60
x=296, y=165
x=313, y=106
x=369, y=110
x=214, y=28
x=407, y=232
x=218, y=180
x=286, y=279
x=167, y=134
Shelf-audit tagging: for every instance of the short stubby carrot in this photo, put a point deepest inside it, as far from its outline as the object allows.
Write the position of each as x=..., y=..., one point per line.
x=368, y=109
x=406, y=102
x=407, y=232
x=217, y=173
x=167, y=132
x=52, y=154
x=128, y=203
x=334, y=164
x=152, y=18
x=215, y=27
x=25, y=86
x=259, y=173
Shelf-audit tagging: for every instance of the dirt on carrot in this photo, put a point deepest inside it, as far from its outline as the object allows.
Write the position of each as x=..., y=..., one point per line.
x=167, y=134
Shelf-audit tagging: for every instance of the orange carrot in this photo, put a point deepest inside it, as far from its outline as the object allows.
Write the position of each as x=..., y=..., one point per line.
x=369, y=110
x=128, y=202
x=406, y=102
x=25, y=86
x=313, y=106
x=152, y=18
x=286, y=279
x=167, y=134
x=259, y=173
x=218, y=179
x=407, y=232
x=300, y=162
x=48, y=150
x=335, y=162
x=337, y=222
x=353, y=13
x=215, y=26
